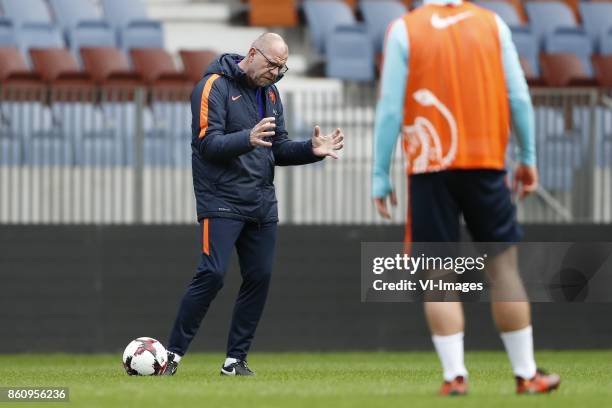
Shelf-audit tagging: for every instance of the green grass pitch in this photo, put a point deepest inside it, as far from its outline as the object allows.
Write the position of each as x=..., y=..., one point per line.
x=288, y=380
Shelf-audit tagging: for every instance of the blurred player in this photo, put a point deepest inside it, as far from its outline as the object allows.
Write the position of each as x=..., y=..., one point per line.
x=452, y=82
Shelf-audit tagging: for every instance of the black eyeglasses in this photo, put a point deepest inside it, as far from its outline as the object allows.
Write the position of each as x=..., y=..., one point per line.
x=282, y=69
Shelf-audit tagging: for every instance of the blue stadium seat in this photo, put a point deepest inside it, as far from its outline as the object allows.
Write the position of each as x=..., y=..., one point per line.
x=69, y=13
x=603, y=118
x=26, y=11
x=597, y=20
x=92, y=142
x=174, y=119
x=569, y=40
x=39, y=36
x=378, y=15
x=323, y=16
x=160, y=147
x=134, y=28
x=547, y=16
x=33, y=24
x=82, y=24
x=605, y=43
x=560, y=151
x=49, y=148
x=527, y=46
x=8, y=35
x=349, y=54
x=503, y=9
x=142, y=34
x=90, y=34
x=120, y=121
x=10, y=148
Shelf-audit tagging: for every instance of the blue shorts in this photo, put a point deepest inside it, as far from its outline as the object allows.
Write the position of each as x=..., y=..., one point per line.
x=436, y=201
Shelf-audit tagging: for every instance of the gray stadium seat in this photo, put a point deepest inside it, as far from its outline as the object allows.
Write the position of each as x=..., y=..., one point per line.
x=568, y=40
x=323, y=16
x=8, y=35
x=34, y=26
x=503, y=9
x=560, y=151
x=349, y=54
x=378, y=15
x=39, y=36
x=527, y=46
x=597, y=19
x=82, y=24
x=134, y=28
x=27, y=11
x=605, y=43
x=547, y=16
x=142, y=34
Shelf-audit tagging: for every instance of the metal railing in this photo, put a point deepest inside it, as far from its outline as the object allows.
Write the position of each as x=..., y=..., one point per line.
x=117, y=156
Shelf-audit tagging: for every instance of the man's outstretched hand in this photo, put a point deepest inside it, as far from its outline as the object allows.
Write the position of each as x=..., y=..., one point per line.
x=325, y=145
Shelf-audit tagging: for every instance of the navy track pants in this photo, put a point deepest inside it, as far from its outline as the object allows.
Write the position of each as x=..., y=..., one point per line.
x=255, y=246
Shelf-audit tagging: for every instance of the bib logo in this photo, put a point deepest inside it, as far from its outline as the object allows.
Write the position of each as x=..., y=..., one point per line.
x=272, y=96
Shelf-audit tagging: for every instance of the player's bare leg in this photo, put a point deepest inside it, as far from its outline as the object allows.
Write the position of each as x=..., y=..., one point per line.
x=512, y=315
x=446, y=322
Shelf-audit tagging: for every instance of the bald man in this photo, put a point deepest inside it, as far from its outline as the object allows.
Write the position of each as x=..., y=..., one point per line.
x=238, y=136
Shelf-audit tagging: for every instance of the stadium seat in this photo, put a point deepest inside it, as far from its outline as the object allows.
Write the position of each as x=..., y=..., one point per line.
x=349, y=54
x=602, y=69
x=8, y=36
x=134, y=28
x=54, y=64
x=90, y=35
x=195, y=62
x=277, y=13
x=142, y=34
x=23, y=12
x=323, y=16
x=560, y=148
x=13, y=66
x=563, y=70
x=506, y=11
x=530, y=75
x=572, y=5
x=34, y=27
x=605, y=43
x=42, y=36
x=107, y=64
x=378, y=15
x=569, y=40
x=83, y=26
x=155, y=64
x=597, y=20
x=527, y=47
x=547, y=16
x=69, y=13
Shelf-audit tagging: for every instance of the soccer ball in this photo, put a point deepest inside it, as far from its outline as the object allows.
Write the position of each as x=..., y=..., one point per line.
x=145, y=356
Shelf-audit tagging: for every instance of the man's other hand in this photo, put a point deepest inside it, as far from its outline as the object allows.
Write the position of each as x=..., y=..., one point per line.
x=525, y=180
x=265, y=128
x=325, y=145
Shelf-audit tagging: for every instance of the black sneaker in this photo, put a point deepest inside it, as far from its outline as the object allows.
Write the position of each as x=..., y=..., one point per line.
x=171, y=365
x=240, y=367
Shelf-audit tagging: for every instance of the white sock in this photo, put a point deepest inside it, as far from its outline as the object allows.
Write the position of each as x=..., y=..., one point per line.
x=519, y=346
x=177, y=357
x=450, y=352
x=229, y=361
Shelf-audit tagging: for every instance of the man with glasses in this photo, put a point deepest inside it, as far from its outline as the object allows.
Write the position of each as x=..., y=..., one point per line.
x=238, y=136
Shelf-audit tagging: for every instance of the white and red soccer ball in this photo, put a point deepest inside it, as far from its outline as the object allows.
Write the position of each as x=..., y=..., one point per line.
x=145, y=356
